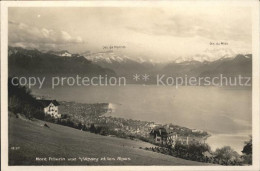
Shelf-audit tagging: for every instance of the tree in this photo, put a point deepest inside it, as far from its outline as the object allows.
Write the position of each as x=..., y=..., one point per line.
x=248, y=147
x=92, y=128
x=247, y=152
x=227, y=155
x=20, y=100
x=79, y=126
x=198, y=149
x=84, y=128
x=180, y=149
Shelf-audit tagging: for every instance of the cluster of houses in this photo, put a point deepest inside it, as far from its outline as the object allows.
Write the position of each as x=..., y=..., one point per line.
x=162, y=137
x=159, y=134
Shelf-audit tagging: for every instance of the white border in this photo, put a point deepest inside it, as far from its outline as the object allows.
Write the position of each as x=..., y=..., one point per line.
x=254, y=4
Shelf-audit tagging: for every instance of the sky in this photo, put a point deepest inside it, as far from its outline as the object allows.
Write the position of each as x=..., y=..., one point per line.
x=147, y=32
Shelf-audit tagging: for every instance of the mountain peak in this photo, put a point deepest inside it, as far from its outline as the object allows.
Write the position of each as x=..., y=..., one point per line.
x=61, y=53
x=208, y=55
x=106, y=56
x=15, y=50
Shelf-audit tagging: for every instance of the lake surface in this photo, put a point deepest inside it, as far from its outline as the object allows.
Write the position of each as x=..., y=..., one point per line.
x=225, y=113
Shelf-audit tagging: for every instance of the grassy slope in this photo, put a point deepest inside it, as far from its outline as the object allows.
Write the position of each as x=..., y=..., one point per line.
x=35, y=140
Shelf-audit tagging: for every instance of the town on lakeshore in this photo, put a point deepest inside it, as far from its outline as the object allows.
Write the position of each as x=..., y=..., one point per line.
x=90, y=116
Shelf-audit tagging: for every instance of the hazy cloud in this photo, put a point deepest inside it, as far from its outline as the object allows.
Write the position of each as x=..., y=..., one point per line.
x=158, y=33
x=211, y=27
x=24, y=35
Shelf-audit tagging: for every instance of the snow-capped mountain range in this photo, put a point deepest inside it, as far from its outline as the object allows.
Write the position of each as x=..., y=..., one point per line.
x=112, y=57
x=208, y=63
x=208, y=55
x=106, y=56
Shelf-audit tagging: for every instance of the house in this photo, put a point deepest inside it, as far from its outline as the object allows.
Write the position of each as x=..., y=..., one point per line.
x=153, y=125
x=159, y=135
x=196, y=131
x=50, y=107
x=207, y=154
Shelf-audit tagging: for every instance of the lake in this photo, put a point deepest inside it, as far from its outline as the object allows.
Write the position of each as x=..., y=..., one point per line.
x=224, y=112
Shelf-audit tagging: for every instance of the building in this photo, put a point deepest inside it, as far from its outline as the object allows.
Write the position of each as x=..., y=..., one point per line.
x=183, y=140
x=50, y=107
x=207, y=154
x=159, y=135
x=172, y=139
x=196, y=131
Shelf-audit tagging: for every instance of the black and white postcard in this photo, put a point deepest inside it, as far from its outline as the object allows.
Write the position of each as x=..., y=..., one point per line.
x=171, y=84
